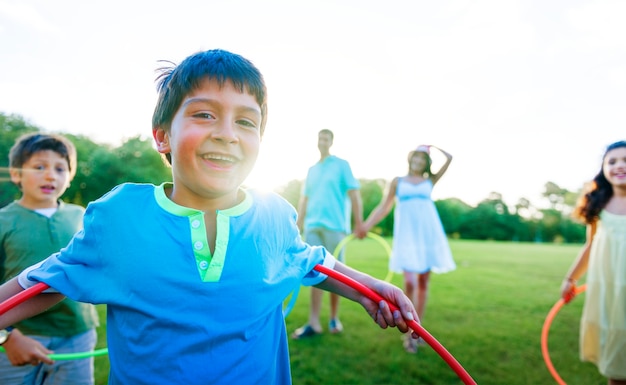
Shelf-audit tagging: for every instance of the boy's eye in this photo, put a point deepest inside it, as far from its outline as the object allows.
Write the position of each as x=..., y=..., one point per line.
x=247, y=123
x=203, y=115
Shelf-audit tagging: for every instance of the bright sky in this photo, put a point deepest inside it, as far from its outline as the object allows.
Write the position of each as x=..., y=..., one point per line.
x=520, y=92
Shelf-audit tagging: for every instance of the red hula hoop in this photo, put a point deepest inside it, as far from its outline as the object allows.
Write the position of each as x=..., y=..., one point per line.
x=447, y=357
x=22, y=296
x=436, y=345
x=546, y=329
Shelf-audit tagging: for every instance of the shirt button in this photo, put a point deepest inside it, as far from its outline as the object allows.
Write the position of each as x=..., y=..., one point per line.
x=204, y=265
x=198, y=245
x=195, y=223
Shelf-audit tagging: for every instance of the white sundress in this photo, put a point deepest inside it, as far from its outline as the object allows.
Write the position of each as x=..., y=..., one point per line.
x=419, y=240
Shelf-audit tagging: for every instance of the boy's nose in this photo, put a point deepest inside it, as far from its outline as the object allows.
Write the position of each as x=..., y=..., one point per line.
x=225, y=132
x=50, y=174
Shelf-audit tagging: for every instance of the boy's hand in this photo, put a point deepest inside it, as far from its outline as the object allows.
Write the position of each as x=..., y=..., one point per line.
x=381, y=312
x=23, y=350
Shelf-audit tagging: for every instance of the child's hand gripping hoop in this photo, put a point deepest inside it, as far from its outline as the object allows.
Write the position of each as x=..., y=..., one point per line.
x=546, y=329
x=447, y=357
x=26, y=295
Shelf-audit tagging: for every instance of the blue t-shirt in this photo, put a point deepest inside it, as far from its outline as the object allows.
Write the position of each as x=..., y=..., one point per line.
x=175, y=313
x=326, y=187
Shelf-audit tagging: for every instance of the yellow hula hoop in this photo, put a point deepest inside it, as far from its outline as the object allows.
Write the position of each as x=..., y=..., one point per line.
x=294, y=295
x=373, y=236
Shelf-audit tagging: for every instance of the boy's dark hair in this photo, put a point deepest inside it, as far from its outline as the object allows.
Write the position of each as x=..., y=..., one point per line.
x=174, y=82
x=596, y=193
x=29, y=144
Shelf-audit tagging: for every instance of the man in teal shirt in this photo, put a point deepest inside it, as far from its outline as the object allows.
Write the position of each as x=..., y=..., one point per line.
x=329, y=194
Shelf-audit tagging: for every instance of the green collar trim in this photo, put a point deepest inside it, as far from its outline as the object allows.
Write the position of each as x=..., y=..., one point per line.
x=209, y=266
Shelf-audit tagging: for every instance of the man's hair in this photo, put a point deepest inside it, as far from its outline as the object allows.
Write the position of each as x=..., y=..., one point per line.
x=328, y=132
x=29, y=144
x=175, y=82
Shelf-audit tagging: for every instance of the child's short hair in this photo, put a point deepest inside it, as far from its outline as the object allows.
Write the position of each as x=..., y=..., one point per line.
x=29, y=144
x=177, y=81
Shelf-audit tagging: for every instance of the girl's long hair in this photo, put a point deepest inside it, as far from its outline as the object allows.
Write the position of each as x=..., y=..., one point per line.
x=596, y=193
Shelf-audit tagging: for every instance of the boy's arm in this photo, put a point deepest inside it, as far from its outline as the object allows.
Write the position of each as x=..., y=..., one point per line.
x=27, y=309
x=380, y=312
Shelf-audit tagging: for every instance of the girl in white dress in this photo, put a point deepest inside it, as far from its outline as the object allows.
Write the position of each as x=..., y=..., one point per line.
x=419, y=240
x=602, y=208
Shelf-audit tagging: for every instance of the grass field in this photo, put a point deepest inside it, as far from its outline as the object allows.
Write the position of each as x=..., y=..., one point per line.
x=488, y=314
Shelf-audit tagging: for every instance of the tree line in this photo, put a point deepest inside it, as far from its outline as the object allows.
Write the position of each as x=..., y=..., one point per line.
x=101, y=167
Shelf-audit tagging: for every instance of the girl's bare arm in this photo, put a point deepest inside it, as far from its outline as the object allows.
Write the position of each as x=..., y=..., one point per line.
x=579, y=266
x=383, y=208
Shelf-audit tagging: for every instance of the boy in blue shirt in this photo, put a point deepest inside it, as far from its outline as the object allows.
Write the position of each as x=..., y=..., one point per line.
x=194, y=272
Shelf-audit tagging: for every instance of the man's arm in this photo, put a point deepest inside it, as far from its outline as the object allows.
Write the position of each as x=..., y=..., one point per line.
x=357, y=210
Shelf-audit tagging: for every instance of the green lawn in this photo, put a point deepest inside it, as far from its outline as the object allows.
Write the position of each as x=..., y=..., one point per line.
x=488, y=314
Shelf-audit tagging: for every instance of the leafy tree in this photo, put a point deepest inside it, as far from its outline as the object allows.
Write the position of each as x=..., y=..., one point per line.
x=555, y=195
x=550, y=224
x=572, y=231
x=11, y=127
x=104, y=167
x=291, y=191
x=85, y=186
x=451, y=211
x=142, y=163
x=489, y=220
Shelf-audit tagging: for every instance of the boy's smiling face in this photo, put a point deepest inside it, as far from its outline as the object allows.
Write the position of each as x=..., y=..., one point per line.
x=214, y=142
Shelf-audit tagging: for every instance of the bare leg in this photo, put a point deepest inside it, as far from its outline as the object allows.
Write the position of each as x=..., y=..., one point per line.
x=313, y=327
x=316, y=304
x=422, y=294
x=334, y=306
x=334, y=326
x=410, y=286
x=410, y=289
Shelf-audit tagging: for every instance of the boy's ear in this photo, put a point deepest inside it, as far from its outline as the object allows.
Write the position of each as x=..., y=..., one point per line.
x=162, y=140
x=16, y=175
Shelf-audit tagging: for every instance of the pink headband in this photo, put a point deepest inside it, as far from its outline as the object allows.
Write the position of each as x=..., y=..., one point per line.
x=423, y=148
